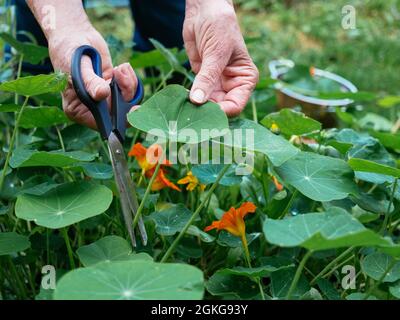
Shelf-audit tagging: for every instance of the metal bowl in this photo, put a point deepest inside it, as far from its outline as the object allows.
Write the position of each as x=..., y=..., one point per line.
x=322, y=110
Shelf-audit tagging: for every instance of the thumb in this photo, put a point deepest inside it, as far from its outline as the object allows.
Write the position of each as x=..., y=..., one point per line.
x=97, y=87
x=207, y=78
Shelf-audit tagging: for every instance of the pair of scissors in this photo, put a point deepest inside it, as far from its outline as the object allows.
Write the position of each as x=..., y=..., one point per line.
x=112, y=129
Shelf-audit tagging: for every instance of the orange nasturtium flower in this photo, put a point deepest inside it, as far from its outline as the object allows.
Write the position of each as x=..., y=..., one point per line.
x=192, y=182
x=233, y=221
x=147, y=159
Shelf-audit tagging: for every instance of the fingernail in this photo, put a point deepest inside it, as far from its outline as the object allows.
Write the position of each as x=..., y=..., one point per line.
x=198, y=96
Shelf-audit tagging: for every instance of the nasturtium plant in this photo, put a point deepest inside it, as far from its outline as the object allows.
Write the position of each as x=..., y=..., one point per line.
x=286, y=200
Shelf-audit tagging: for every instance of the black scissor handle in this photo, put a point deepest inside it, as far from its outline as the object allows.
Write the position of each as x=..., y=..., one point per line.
x=99, y=109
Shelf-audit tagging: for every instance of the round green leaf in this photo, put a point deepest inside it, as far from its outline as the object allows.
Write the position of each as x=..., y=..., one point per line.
x=108, y=249
x=318, y=177
x=64, y=205
x=172, y=220
x=170, y=113
x=395, y=289
x=376, y=264
x=132, y=280
x=23, y=157
x=319, y=231
x=11, y=242
x=100, y=171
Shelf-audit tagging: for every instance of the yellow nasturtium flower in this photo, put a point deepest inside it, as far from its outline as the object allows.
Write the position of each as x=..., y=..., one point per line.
x=192, y=182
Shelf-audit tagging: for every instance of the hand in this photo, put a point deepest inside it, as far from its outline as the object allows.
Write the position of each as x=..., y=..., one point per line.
x=62, y=46
x=225, y=73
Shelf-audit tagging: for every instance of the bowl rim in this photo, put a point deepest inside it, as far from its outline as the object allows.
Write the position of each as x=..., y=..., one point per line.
x=281, y=66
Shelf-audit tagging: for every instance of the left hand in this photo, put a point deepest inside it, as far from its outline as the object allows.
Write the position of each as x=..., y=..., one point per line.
x=225, y=72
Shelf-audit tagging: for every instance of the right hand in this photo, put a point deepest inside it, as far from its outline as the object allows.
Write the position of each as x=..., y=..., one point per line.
x=62, y=46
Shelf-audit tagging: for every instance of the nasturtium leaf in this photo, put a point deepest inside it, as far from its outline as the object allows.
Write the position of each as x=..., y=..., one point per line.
x=77, y=137
x=100, y=171
x=248, y=135
x=318, y=177
x=170, y=115
x=251, y=189
x=11, y=242
x=377, y=263
x=172, y=220
x=208, y=173
x=261, y=271
x=281, y=281
x=189, y=247
x=291, y=122
x=232, y=286
x=334, y=228
x=32, y=53
x=132, y=280
x=395, y=289
x=374, y=167
x=108, y=249
x=36, y=85
x=24, y=157
x=64, y=205
x=42, y=117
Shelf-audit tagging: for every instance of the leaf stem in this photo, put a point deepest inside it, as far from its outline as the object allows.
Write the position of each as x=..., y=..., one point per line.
x=69, y=249
x=386, y=220
x=12, y=142
x=294, y=194
x=195, y=214
x=145, y=196
x=298, y=274
x=61, y=139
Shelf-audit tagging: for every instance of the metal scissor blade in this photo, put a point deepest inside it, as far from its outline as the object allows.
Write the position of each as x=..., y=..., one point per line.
x=125, y=187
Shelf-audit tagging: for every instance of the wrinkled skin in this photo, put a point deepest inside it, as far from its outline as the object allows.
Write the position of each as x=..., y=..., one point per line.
x=218, y=56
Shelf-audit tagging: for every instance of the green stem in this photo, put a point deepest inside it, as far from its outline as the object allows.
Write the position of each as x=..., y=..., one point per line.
x=12, y=142
x=69, y=249
x=146, y=194
x=248, y=260
x=294, y=194
x=378, y=282
x=331, y=264
x=298, y=274
x=386, y=220
x=195, y=214
x=61, y=139
x=254, y=109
